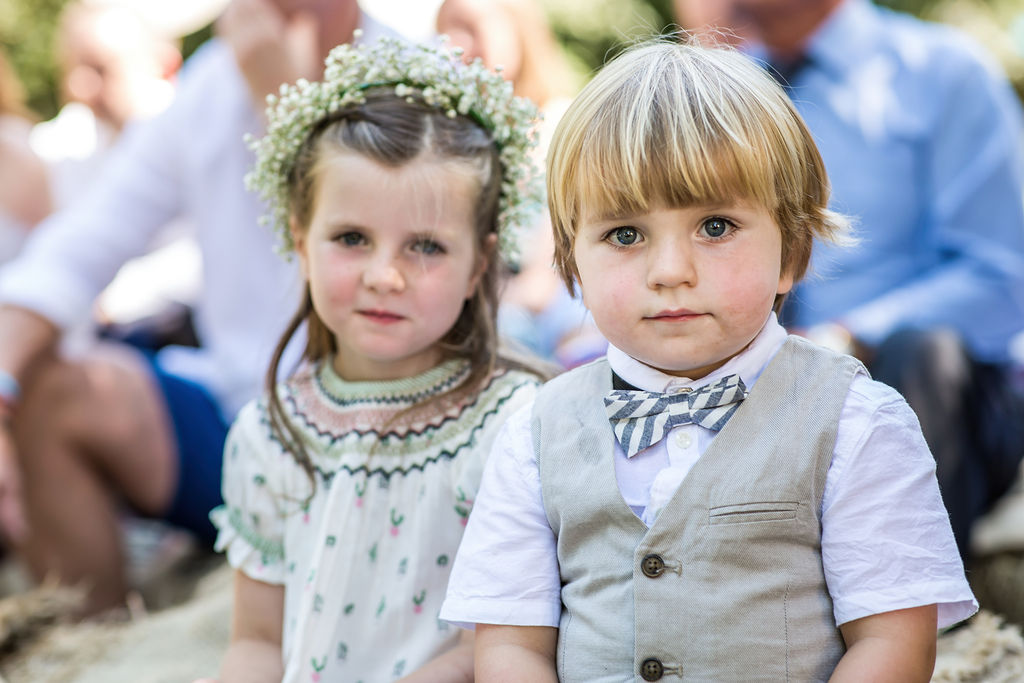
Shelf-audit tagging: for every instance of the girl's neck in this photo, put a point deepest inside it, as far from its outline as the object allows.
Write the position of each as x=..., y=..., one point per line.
x=385, y=371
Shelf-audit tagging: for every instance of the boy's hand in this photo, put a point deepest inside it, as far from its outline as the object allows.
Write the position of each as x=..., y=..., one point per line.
x=270, y=48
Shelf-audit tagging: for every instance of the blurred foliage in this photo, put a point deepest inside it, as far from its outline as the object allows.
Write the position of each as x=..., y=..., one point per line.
x=996, y=24
x=594, y=31
x=26, y=34
x=591, y=31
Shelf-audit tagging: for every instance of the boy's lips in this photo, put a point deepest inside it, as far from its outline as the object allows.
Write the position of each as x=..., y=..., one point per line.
x=677, y=314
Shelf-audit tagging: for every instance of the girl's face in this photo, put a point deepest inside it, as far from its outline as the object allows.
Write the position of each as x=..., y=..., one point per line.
x=391, y=257
x=682, y=290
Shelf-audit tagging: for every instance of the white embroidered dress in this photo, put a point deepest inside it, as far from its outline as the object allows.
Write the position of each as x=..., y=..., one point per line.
x=365, y=561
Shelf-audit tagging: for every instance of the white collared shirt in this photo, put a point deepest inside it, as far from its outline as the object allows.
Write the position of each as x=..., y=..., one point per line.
x=506, y=571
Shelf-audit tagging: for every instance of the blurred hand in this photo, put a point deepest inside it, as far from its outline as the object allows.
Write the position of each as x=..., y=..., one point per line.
x=13, y=523
x=270, y=48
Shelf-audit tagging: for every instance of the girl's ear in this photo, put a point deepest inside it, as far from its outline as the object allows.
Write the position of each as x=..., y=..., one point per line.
x=484, y=258
x=299, y=242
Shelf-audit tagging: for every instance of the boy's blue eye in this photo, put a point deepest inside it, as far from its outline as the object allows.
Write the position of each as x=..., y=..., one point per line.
x=716, y=227
x=624, y=236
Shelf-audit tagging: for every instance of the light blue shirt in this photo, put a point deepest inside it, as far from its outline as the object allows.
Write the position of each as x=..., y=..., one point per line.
x=921, y=136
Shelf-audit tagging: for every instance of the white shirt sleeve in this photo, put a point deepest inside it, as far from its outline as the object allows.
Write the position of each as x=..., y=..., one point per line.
x=523, y=587
x=886, y=541
x=72, y=255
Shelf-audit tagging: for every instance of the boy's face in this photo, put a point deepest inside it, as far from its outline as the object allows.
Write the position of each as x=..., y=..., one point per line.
x=682, y=290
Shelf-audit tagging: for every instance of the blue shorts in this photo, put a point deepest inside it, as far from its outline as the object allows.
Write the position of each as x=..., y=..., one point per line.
x=199, y=432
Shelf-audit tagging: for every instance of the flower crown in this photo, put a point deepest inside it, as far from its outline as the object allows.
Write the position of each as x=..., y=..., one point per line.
x=440, y=79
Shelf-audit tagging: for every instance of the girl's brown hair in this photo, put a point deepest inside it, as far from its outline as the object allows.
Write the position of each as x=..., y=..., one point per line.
x=394, y=131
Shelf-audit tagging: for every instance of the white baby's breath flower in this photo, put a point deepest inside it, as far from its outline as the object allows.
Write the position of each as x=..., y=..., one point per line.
x=441, y=79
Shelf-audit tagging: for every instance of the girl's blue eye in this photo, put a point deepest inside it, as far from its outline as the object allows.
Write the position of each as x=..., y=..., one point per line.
x=624, y=236
x=428, y=247
x=351, y=239
x=716, y=227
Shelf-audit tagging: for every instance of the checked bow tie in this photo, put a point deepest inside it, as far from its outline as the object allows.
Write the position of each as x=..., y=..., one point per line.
x=642, y=418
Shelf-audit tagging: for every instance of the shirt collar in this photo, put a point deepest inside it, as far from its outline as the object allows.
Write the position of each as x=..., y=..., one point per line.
x=840, y=42
x=748, y=364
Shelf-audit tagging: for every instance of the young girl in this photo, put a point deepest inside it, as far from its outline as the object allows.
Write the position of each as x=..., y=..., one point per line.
x=347, y=488
x=714, y=501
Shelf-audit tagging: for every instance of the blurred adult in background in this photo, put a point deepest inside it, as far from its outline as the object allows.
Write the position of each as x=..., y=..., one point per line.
x=24, y=188
x=114, y=70
x=81, y=437
x=921, y=135
x=535, y=309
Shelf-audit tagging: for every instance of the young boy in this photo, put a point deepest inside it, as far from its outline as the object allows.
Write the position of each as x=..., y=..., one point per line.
x=713, y=501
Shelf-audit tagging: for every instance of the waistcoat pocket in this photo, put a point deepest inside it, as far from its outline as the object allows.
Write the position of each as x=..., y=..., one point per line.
x=752, y=512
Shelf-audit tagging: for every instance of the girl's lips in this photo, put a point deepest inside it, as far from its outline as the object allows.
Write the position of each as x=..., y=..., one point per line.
x=381, y=316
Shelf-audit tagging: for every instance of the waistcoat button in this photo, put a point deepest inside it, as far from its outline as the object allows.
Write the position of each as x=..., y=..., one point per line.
x=652, y=566
x=651, y=669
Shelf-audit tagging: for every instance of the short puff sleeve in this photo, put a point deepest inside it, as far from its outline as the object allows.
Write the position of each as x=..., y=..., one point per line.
x=251, y=522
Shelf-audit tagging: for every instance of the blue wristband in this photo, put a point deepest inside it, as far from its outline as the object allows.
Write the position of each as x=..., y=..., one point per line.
x=10, y=390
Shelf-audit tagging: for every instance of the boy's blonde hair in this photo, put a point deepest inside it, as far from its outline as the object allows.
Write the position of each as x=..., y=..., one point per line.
x=669, y=124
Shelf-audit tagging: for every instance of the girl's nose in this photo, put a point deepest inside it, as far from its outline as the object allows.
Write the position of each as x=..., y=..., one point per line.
x=383, y=275
x=671, y=264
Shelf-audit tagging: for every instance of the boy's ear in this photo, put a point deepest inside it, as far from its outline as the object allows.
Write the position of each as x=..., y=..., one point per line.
x=483, y=261
x=299, y=241
x=786, y=281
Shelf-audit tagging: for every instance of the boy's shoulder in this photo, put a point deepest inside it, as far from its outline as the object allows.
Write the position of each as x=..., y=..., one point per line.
x=573, y=376
x=588, y=380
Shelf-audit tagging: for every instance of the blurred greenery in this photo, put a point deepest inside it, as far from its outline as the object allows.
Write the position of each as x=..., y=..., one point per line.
x=591, y=31
x=27, y=30
x=26, y=34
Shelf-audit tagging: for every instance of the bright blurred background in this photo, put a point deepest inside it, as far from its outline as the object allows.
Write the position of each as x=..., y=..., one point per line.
x=589, y=30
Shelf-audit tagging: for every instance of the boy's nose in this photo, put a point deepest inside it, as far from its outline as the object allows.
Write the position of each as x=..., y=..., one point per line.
x=671, y=265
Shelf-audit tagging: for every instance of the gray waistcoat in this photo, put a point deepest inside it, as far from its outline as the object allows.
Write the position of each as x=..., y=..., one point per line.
x=727, y=585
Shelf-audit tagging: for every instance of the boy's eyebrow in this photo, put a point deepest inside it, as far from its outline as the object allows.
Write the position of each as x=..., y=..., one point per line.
x=607, y=216
x=611, y=215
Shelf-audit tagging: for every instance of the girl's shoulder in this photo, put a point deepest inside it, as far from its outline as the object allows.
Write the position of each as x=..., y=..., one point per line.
x=496, y=398
x=505, y=381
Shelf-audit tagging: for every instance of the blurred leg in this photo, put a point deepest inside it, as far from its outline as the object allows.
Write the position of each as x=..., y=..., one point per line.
x=91, y=433
x=968, y=416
